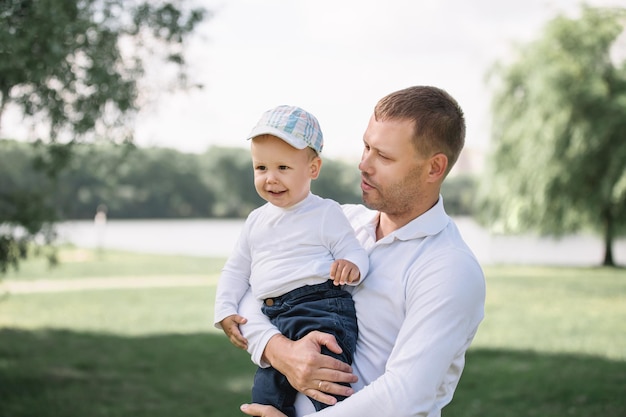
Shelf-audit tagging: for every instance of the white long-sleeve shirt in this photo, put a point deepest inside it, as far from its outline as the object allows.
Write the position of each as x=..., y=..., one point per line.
x=418, y=311
x=281, y=249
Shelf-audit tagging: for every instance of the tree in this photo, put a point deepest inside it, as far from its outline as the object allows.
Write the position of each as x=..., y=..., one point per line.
x=230, y=174
x=160, y=183
x=132, y=183
x=459, y=194
x=73, y=68
x=25, y=201
x=338, y=180
x=559, y=132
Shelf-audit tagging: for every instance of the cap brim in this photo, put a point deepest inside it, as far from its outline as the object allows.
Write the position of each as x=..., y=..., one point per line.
x=290, y=139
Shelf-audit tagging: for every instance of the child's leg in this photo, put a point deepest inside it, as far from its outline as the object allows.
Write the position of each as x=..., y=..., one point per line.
x=340, y=321
x=272, y=388
x=322, y=307
x=325, y=308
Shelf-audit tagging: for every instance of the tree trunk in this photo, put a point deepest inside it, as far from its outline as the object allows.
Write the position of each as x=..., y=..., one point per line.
x=608, y=239
x=2, y=104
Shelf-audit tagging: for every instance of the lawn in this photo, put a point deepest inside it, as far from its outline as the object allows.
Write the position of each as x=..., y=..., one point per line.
x=553, y=343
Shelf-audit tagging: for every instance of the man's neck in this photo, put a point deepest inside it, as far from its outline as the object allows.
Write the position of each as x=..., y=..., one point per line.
x=388, y=223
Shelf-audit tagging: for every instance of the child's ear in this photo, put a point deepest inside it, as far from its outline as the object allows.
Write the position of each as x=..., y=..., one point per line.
x=315, y=166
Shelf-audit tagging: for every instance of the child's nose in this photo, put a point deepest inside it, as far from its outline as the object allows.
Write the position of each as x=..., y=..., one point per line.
x=271, y=177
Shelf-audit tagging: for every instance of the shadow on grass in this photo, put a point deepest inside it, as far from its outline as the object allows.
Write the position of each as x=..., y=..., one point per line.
x=507, y=383
x=61, y=374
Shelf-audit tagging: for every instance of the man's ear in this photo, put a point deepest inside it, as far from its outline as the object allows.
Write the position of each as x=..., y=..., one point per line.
x=315, y=166
x=438, y=166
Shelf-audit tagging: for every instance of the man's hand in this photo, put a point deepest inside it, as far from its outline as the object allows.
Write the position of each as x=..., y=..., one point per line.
x=307, y=369
x=260, y=410
x=343, y=271
x=230, y=325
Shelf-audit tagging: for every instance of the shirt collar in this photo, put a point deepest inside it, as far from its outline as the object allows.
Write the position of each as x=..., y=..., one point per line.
x=303, y=203
x=428, y=224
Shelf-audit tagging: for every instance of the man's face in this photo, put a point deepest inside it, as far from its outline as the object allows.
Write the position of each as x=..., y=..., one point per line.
x=392, y=173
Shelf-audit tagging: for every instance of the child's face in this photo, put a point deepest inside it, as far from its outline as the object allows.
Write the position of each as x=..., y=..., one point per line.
x=282, y=173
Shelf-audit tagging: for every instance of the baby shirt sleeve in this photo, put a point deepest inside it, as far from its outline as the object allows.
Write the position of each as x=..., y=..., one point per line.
x=341, y=240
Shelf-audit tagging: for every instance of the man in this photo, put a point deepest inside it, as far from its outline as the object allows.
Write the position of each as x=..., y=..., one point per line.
x=423, y=299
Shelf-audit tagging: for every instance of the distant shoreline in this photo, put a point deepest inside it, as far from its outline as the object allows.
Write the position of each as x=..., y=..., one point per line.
x=217, y=237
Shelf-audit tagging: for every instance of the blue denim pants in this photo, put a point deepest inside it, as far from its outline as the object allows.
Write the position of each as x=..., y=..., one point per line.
x=324, y=307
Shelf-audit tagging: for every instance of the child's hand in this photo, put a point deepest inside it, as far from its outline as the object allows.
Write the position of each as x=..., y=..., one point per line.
x=230, y=325
x=343, y=271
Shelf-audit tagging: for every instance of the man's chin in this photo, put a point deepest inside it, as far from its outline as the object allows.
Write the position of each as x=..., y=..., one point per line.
x=369, y=202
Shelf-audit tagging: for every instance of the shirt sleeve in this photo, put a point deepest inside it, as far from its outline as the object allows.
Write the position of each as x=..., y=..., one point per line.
x=258, y=330
x=234, y=280
x=341, y=240
x=444, y=305
x=234, y=296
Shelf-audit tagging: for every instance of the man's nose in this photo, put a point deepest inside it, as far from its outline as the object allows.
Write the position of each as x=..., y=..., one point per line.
x=364, y=165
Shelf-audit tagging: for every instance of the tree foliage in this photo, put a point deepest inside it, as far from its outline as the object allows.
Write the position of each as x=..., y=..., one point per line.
x=133, y=183
x=161, y=183
x=73, y=67
x=559, y=132
x=145, y=183
x=229, y=170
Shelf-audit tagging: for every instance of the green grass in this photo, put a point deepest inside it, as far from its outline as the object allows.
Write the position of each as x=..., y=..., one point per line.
x=76, y=263
x=65, y=373
x=553, y=343
x=556, y=310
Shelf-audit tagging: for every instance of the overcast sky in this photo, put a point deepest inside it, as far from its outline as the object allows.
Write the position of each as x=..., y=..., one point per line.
x=336, y=58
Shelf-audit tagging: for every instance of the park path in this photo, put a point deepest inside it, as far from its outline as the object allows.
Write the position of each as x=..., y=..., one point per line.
x=96, y=283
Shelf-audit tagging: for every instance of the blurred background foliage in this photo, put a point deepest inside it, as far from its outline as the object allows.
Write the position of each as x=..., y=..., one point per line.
x=75, y=70
x=558, y=163
x=165, y=183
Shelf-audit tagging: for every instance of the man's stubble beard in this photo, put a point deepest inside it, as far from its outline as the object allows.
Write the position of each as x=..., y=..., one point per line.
x=397, y=198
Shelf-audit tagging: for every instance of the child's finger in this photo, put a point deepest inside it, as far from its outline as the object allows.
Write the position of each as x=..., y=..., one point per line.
x=240, y=342
x=354, y=275
x=236, y=338
x=345, y=274
x=333, y=270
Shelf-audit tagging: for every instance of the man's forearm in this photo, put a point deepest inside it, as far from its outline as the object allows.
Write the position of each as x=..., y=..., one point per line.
x=274, y=346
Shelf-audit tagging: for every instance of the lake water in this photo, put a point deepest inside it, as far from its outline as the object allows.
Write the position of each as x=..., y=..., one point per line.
x=217, y=238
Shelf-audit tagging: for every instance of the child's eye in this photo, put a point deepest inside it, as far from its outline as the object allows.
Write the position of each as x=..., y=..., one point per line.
x=260, y=168
x=283, y=167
